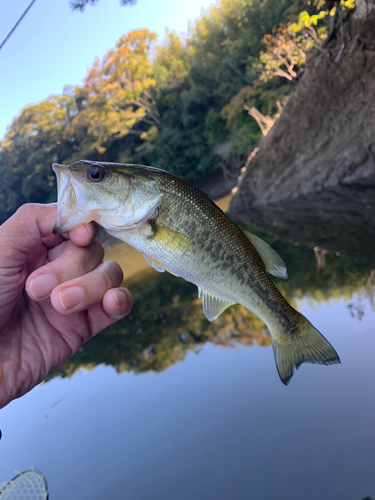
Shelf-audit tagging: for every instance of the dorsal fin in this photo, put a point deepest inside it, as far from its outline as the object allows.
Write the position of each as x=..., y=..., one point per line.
x=271, y=259
x=213, y=306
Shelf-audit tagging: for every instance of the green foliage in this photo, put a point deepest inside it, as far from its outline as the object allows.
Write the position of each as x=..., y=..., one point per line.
x=178, y=105
x=283, y=53
x=266, y=97
x=39, y=136
x=307, y=21
x=118, y=92
x=172, y=62
x=224, y=40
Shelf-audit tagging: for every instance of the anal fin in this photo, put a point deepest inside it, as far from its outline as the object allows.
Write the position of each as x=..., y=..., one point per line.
x=213, y=306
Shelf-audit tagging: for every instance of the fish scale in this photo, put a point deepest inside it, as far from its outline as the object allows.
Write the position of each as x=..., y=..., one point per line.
x=237, y=259
x=179, y=229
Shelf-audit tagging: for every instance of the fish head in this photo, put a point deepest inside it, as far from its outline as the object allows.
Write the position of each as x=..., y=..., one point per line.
x=115, y=196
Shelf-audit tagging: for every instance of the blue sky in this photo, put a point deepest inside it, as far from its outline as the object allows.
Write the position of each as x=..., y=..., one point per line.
x=53, y=46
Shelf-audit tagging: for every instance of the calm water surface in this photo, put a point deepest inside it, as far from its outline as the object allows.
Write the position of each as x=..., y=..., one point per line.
x=166, y=405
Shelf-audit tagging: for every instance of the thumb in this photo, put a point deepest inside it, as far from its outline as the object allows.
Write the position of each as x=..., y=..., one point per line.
x=22, y=233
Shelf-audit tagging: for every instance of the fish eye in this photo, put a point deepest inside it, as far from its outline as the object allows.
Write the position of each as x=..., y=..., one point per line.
x=96, y=174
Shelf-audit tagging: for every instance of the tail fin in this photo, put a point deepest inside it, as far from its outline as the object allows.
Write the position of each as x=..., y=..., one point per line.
x=306, y=346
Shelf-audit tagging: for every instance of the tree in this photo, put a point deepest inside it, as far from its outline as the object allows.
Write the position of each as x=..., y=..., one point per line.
x=118, y=93
x=40, y=135
x=284, y=54
x=172, y=105
x=312, y=178
x=172, y=62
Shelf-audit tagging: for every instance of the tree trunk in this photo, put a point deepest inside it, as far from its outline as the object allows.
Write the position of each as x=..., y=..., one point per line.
x=312, y=179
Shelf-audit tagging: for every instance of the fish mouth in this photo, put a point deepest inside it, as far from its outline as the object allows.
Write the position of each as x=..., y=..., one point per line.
x=68, y=215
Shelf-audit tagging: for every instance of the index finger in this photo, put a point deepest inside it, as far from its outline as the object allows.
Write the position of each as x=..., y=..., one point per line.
x=83, y=235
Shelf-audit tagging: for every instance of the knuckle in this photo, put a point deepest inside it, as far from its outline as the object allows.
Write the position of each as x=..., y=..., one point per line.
x=24, y=214
x=112, y=273
x=25, y=209
x=96, y=247
x=83, y=259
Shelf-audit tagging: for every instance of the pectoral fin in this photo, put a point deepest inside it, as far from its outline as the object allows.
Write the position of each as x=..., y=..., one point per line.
x=157, y=266
x=271, y=260
x=176, y=242
x=213, y=306
x=171, y=239
x=154, y=264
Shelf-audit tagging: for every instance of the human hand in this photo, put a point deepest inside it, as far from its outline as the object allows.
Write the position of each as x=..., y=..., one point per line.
x=55, y=294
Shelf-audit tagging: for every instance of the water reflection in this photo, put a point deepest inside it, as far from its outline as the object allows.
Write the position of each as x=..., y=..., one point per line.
x=167, y=320
x=324, y=221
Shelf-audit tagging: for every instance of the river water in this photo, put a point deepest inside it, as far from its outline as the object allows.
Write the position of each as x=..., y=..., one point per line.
x=167, y=406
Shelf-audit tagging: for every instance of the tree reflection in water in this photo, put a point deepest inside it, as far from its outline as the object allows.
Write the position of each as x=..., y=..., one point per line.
x=167, y=319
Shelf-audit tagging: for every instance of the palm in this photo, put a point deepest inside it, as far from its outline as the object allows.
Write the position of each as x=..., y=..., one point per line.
x=35, y=340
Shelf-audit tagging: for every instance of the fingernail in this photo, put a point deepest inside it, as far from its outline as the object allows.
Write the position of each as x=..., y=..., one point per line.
x=120, y=297
x=85, y=228
x=43, y=285
x=71, y=297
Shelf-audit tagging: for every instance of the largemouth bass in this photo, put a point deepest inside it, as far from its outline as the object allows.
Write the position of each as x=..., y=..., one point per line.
x=179, y=229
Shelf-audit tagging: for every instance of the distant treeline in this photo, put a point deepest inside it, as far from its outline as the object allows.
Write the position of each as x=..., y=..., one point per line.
x=182, y=105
